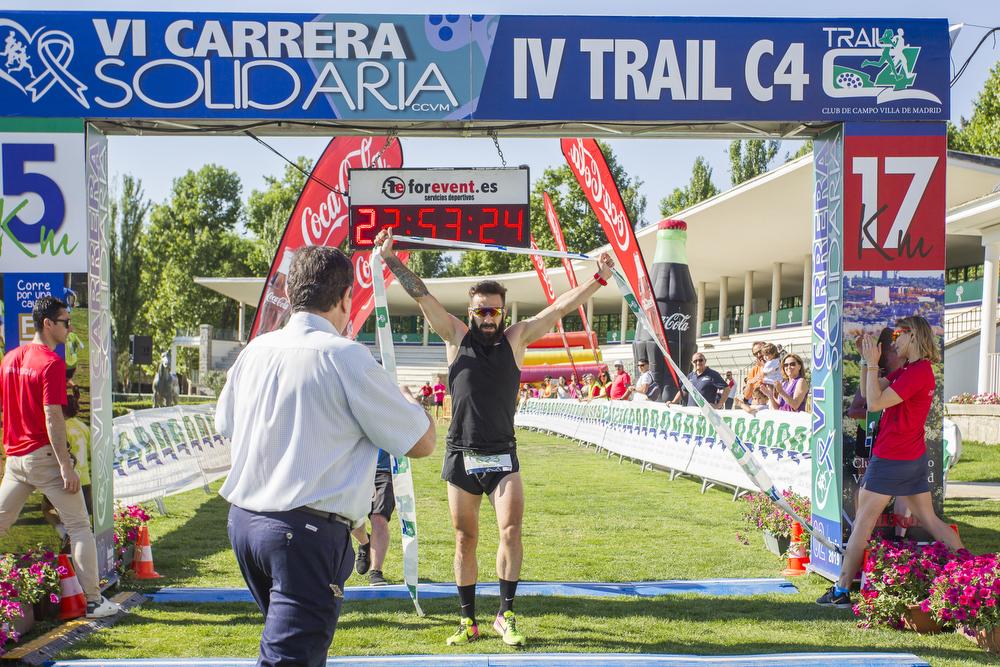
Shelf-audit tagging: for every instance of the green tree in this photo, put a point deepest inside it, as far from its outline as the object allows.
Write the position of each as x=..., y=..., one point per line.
x=981, y=133
x=749, y=158
x=125, y=249
x=193, y=234
x=579, y=224
x=268, y=211
x=428, y=263
x=804, y=149
x=699, y=188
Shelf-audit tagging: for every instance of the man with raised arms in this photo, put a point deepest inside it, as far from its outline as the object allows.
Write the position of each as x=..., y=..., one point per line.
x=481, y=457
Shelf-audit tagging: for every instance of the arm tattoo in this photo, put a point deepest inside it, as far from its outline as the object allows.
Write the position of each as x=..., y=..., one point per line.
x=410, y=281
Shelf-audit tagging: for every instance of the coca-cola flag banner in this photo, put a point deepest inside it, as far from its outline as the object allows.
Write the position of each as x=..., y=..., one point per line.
x=363, y=298
x=553, y=219
x=550, y=296
x=591, y=170
x=319, y=216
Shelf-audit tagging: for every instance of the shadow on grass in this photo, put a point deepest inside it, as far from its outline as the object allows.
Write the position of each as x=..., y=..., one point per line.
x=179, y=553
x=977, y=538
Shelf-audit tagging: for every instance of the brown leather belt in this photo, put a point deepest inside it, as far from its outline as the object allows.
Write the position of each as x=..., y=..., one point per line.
x=329, y=516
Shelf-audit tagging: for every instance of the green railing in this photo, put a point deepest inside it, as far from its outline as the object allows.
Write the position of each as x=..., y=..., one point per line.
x=612, y=336
x=969, y=291
x=787, y=317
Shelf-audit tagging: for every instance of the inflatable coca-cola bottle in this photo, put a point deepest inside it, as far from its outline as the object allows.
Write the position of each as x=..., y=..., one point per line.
x=276, y=309
x=677, y=302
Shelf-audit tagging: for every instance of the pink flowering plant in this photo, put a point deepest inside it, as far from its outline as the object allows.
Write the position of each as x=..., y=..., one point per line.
x=760, y=513
x=967, y=592
x=898, y=575
x=25, y=579
x=128, y=520
x=987, y=398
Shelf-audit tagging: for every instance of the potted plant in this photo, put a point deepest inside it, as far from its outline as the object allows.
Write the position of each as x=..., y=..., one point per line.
x=26, y=580
x=762, y=514
x=127, y=522
x=897, y=582
x=966, y=593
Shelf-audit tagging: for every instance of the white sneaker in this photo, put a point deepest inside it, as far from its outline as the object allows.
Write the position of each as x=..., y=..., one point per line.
x=102, y=609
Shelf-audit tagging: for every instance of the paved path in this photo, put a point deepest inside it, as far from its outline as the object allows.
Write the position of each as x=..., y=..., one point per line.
x=985, y=490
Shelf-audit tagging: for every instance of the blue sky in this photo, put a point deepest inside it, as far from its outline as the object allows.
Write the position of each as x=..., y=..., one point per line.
x=661, y=164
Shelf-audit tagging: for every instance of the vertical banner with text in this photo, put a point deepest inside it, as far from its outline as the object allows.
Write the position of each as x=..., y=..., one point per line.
x=99, y=293
x=894, y=262
x=826, y=389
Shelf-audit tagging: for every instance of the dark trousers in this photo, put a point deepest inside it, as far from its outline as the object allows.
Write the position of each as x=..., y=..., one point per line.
x=295, y=565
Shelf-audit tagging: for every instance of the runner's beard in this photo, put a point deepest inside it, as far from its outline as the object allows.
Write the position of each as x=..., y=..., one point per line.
x=488, y=337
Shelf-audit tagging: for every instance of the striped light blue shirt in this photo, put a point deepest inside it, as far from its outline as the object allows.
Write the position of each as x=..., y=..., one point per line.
x=306, y=411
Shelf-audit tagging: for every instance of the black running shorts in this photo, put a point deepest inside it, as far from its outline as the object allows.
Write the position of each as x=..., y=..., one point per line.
x=384, y=500
x=453, y=472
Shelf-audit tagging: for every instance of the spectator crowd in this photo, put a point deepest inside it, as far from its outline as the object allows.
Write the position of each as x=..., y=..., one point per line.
x=774, y=380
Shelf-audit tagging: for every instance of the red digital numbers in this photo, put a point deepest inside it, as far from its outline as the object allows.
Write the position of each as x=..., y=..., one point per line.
x=429, y=226
x=503, y=225
x=488, y=212
x=362, y=226
x=519, y=225
x=457, y=224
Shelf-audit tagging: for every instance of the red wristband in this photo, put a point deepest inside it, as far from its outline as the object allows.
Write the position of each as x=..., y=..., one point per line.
x=598, y=278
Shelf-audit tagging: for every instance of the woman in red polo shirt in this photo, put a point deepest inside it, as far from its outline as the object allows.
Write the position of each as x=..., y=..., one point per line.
x=898, y=466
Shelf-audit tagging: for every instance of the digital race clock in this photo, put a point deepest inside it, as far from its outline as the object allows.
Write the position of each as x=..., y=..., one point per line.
x=477, y=205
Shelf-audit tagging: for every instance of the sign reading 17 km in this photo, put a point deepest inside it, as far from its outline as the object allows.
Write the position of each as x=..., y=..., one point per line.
x=43, y=216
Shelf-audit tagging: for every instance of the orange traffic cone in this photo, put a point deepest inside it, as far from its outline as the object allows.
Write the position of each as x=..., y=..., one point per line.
x=142, y=564
x=72, y=601
x=796, y=553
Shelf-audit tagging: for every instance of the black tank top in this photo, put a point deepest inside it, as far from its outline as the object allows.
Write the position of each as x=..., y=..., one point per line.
x=484, y=383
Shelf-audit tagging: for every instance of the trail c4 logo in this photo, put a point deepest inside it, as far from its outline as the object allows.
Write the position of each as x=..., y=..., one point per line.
x=879, y=66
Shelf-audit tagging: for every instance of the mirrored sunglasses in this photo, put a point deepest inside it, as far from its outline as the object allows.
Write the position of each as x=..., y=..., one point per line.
x=899, y=332
x=486, y=311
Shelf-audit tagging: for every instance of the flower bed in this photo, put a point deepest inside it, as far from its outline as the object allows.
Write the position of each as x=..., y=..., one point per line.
x=903, y=581
x=25, y=579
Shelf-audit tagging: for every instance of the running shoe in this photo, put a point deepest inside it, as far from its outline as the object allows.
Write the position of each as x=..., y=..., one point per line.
x=102, y=609
x=363, y=560
x=375, y=578
x=832, y=599
x=467, y=632
x=506, y=627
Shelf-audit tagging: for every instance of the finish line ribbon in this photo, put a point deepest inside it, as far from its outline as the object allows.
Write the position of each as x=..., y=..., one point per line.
x=744, y=456
x=402, y=476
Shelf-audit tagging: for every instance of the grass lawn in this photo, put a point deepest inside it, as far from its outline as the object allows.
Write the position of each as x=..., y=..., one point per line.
x=980, y=462
x=587, y=518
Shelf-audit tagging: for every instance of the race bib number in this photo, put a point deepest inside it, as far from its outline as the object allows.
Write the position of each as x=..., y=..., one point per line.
x=480, y=464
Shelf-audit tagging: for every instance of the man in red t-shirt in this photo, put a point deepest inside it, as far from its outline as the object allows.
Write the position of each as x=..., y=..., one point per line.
x=621, y=385
x=32, y=393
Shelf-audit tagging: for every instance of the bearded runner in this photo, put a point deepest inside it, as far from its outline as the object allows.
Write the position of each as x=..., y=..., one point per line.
x=484, y=360
x=402, y=477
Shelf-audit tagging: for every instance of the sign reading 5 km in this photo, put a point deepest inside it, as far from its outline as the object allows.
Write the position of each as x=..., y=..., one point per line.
x=43, y=223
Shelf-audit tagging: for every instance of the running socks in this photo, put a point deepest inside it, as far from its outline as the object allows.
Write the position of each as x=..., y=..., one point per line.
x=837, y=590
x=467, y=598
x=507, y=591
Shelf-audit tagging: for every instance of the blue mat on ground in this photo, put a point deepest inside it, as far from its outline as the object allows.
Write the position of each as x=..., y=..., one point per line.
x=540, y=659
x=724, y=587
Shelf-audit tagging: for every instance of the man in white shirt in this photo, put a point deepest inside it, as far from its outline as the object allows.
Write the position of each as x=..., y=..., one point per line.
x=307, y=410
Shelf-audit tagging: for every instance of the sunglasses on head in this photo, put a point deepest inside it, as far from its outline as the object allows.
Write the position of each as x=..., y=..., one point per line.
x=899, y=332
x=486, y=311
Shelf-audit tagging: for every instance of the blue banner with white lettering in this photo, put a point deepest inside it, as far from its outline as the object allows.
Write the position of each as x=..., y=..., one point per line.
x=470, y=67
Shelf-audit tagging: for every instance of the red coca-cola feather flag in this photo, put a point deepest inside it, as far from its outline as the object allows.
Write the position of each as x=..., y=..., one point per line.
x=319, y=216
x=591, y=170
